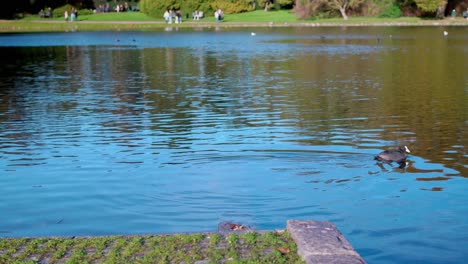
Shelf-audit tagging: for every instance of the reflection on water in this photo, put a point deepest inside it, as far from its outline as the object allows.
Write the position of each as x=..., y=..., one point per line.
x=177, y=131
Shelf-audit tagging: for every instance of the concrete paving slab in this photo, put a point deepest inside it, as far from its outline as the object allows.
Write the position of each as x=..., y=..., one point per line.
x=321, y=242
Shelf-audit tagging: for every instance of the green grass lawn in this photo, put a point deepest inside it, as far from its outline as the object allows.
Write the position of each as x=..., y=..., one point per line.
x=280, y=16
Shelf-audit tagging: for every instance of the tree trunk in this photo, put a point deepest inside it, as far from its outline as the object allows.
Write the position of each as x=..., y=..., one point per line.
x=440, y=14
x=343, y=13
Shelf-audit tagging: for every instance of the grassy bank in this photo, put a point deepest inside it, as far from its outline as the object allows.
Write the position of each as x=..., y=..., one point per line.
x=251, y=247
x=136, y=21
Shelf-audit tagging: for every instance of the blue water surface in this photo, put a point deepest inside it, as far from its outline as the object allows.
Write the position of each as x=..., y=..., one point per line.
x=175, y=131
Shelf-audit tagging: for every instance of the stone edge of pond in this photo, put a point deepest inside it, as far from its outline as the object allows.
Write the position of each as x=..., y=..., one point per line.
x=316, y=241
x=322, y=242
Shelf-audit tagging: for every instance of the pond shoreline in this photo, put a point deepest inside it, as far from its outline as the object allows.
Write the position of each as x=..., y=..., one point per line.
x=11, y=26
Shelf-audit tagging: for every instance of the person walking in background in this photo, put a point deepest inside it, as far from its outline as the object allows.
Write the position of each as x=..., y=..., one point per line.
x=66, y=15
x=48, y=13
x=219, y=15
x=72, y=15
x=171, y=15
x=166, y=16
x=178, y=17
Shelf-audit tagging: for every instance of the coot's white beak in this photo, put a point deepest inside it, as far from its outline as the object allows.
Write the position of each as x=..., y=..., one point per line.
x=407, y=149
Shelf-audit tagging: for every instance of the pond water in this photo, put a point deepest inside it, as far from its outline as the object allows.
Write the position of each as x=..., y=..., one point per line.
x=175, y=131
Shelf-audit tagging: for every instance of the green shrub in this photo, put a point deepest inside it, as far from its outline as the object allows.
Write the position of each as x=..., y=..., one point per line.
x=156, y=8
x=284, y=4
x=83, y=12
x=189, y=6
x=429, y=5
x=230, y=7
x=391, y=11
x=59, y=11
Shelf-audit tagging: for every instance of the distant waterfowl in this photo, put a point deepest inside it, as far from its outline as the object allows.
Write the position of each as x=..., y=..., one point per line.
x=253, y=33
x=445, y=33
x=398, y=156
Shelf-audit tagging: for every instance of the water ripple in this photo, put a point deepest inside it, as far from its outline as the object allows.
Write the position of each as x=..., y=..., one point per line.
x=169, y=135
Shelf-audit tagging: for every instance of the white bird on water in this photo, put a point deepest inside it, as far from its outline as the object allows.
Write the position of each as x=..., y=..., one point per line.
x=252, y=33
x=445, y=33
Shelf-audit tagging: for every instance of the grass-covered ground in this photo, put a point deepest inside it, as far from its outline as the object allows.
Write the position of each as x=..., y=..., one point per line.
x=138, y=21
x=250, y=247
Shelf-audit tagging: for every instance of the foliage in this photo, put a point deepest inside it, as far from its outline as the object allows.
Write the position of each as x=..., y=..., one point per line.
x=305, y=9
x=265, y=4
x=13, y=7
x=113, y=3
x=59, y=11
x=430, y=5
x=332, y=5
x=391, y=11
x=156, y=8
x=80, y=4
x=231, y=7
x=285, y=4
x=189, y=6
x=276, y=4
x=344, y=5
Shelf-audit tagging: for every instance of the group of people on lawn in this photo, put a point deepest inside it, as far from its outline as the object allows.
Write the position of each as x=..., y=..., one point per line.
x=73, y=15
x=171, y=15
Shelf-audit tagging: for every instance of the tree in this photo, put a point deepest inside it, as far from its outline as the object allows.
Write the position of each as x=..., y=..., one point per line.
x=437, y=6
x=266, y=4
x=430, y=5
x=343, y=5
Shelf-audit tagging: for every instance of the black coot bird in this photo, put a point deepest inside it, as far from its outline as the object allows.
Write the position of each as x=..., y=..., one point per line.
x=398, y=156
